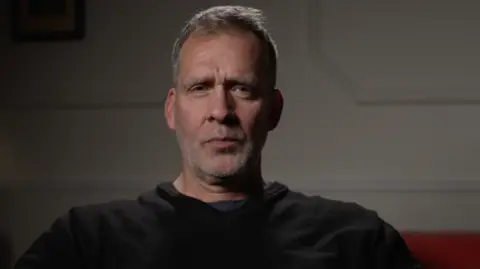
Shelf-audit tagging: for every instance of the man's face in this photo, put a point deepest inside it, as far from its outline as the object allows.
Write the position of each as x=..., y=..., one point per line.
x=221, y=108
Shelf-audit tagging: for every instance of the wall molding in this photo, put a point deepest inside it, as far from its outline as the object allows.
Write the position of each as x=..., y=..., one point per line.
x=373, y=185
x=393, y=186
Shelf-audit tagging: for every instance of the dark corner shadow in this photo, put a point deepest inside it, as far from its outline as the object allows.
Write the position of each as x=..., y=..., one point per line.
x=6, y=251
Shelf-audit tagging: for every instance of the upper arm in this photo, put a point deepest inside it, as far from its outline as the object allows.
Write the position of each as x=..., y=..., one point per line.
x=54, y=248
x=390, y=250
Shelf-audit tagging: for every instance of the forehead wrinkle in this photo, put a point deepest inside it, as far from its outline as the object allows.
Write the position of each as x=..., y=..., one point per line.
x=219, y=76
x=202, y=65
x=210, y=71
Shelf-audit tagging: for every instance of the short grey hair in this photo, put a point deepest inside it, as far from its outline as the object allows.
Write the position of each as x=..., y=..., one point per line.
x=222, y=18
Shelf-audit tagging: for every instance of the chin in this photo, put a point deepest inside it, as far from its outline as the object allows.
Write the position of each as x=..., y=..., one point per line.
x=223, y=173
x=224, y=170
x=223, y=166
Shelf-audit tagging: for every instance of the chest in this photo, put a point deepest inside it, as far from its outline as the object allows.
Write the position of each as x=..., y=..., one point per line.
x=219, y=245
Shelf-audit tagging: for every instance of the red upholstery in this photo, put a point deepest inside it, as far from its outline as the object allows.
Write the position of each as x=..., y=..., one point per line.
x=445, y=250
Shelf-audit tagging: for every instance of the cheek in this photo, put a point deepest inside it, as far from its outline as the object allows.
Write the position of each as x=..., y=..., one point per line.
x=188, y=118
x=253, y=120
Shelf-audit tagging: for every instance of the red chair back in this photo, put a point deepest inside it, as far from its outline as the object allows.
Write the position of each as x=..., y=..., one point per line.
x=445, y=250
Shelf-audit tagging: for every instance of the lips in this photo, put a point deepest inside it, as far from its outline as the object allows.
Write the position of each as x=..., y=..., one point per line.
x=223, y=141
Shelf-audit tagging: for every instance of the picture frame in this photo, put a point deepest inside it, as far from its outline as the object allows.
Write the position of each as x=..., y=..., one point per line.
x=48, y=20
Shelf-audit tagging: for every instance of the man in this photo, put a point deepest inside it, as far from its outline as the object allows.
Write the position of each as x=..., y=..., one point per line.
x=220, y=212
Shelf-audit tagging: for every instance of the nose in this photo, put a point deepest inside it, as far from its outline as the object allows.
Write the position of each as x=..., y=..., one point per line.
x=222, y=105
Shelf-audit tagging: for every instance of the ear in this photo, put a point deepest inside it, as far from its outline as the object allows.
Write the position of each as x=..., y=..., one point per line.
x=276, y=109
x=169, y=108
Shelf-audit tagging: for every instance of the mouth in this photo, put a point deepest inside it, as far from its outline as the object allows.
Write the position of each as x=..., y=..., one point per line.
x=223, y=142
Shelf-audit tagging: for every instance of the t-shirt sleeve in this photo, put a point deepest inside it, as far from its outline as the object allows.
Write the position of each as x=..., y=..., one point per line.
x=390, y=250
x=54, y=248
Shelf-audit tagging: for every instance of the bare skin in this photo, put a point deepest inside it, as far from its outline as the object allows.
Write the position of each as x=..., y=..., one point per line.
x=222, y=109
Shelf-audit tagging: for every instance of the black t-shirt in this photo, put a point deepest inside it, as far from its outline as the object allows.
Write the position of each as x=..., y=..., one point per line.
x=165, y=229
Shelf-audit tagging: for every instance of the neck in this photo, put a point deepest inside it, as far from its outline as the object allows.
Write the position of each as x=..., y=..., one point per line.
x=212, y=189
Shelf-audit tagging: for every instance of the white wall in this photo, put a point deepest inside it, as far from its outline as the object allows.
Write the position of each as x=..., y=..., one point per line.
x=379, y=110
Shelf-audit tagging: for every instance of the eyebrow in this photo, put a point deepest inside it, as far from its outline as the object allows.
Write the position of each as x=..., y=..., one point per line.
x=244, y=80
x=195, y=80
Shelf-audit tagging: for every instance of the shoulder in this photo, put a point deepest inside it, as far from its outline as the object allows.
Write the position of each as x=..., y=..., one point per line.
x=91, y=226
x=107, y=219
x=329, y=213
x=358, y=232
x=78, y=236
x=117, y=211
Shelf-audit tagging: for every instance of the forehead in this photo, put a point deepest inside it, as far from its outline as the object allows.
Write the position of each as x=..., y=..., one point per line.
x=232, y=53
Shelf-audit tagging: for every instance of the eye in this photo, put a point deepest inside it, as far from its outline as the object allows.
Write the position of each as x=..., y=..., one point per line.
x=198, y=88
x=243, y=90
